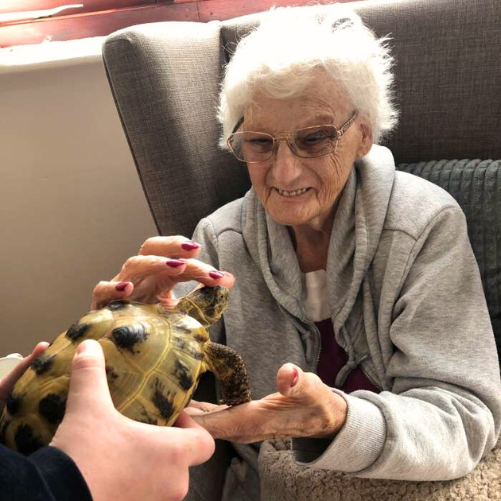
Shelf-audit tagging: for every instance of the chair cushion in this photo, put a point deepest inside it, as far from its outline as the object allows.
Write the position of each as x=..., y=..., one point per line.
x=476, y=186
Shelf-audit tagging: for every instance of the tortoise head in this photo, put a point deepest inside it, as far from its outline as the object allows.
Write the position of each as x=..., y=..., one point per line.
x=206, y=304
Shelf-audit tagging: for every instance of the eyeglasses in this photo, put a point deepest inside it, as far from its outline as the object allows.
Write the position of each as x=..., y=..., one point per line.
x=311, y=142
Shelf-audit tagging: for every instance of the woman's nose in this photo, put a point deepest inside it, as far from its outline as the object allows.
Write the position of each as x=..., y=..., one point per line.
x=286, y=166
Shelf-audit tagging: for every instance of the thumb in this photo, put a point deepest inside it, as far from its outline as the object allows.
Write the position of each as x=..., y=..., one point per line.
x=293, y=382
x=289, y=376
x=88, y=383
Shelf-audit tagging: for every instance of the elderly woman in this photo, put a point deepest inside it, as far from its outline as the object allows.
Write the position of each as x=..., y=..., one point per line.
x=357, y=304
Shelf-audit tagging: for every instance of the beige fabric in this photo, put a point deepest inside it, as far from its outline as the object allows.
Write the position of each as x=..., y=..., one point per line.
x=282, y=479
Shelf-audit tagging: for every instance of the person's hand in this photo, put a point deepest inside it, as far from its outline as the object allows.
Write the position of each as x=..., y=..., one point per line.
x=8, y=382
x=303, y=407
x=120, y=458
x=161, y=264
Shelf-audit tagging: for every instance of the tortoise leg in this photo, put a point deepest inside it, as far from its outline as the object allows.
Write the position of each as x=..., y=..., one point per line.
x=228, y=367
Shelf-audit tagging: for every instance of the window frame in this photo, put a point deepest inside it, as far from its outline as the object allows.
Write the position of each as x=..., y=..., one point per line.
x=102, y=17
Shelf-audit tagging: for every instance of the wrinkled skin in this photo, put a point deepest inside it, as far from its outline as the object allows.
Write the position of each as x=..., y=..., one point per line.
x=150, y=276
x=303, y=405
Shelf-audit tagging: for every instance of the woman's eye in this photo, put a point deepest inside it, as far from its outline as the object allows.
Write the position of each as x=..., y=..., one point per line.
x=315, y=138
x=259, y=143
x=312, y=140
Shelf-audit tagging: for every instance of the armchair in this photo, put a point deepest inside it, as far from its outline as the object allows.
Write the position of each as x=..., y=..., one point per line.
x=165, y=78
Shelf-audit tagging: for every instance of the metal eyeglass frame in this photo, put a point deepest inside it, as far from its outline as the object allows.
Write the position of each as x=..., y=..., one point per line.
x=290, y=144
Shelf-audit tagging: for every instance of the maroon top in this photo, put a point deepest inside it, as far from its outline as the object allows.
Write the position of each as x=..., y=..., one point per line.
x=333, y=358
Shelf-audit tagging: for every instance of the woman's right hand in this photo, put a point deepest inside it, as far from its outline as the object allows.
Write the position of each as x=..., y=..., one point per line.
x=150, y=276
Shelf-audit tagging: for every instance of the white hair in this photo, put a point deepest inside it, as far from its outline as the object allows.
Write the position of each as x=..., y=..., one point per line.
x=283, y=53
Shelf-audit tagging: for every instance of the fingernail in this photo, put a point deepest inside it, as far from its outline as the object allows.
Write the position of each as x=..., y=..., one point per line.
x=190, y=245
x=174, y=263
x=120, y=287
x=88, y=347
x=296, y=377
x=216, y=275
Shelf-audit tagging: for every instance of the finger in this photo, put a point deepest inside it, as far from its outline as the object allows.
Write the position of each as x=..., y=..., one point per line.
x=206, y=274
x=199, y=445
x=185, y=421
x=144, y=278
x=193, y=411
x=233, y=423
x=104, y=292
x=137, y=268
x=303, y=387
x=153, y=275
x=171, y=246
x=205, y=406
x=168, y=300
x=10, y=379
x=88, y=384
x=287, y=378
x=141, y=278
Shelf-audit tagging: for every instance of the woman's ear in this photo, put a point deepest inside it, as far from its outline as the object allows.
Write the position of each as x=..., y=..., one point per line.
x=366, y=139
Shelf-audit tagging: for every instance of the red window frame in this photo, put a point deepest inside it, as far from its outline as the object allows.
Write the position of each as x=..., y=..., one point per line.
x=25, y=22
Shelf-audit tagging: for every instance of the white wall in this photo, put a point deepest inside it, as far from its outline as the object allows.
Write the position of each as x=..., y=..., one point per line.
x=71, y=205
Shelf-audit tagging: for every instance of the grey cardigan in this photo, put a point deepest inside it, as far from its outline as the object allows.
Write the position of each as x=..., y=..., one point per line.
x=407, y=305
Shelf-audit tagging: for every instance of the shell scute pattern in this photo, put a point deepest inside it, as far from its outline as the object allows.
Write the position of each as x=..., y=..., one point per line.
x=154, y=359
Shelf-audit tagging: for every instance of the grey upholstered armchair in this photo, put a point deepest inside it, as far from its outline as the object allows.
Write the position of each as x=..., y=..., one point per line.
x=165, y=80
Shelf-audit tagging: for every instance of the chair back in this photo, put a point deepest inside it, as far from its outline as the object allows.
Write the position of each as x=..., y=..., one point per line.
x=165, y=80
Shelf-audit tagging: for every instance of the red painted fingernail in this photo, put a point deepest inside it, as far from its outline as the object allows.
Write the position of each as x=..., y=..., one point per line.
x=120, y=287
x=296, y=377
x=174, y=263
x=216, y=274
x=190, y=245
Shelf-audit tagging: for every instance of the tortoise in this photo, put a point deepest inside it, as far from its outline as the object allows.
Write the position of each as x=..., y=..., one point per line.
x=154, y=358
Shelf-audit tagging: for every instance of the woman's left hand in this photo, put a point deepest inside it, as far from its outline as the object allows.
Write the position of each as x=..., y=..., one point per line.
x=8, y=382
x=303, y=407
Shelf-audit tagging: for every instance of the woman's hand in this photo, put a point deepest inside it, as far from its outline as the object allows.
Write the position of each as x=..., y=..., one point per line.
x=303, y=407
x=161, y=264
x=8, y=382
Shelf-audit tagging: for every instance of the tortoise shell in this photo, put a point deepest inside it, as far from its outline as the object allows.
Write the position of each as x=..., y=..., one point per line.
x=154, y=359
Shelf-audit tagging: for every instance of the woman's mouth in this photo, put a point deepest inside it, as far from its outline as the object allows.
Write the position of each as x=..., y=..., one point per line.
x=290, y=194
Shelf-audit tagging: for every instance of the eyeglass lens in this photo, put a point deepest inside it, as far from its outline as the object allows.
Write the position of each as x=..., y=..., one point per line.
x=310, y=142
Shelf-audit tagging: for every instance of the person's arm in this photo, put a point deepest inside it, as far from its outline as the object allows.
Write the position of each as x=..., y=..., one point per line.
x=444, y=411
x=47, y=475
x=120, y=458
x=97, y=449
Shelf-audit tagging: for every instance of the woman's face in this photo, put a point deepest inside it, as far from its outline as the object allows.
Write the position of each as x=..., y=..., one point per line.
x=302, y=191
